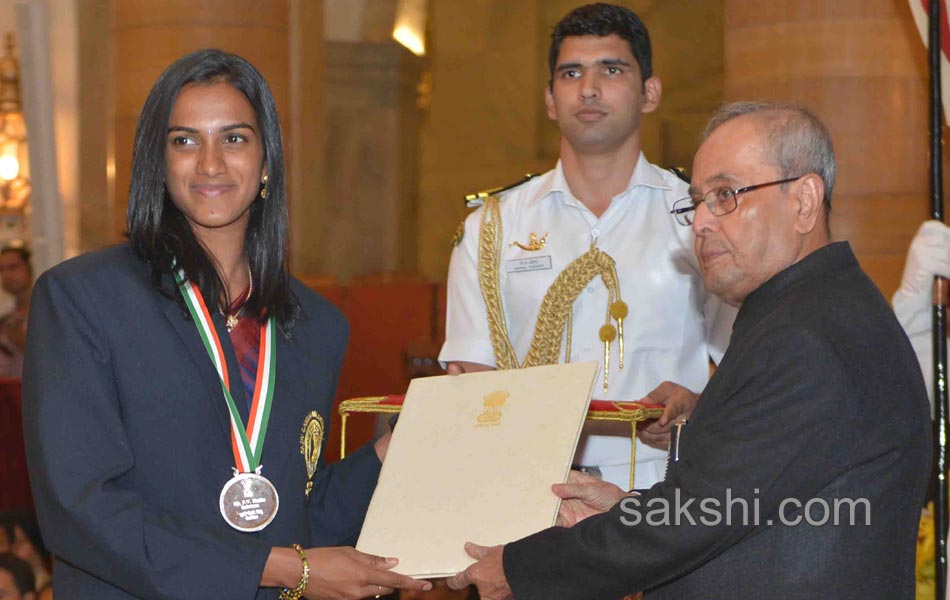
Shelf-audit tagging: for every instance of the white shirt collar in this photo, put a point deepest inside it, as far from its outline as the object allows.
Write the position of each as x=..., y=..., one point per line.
x=644, y=174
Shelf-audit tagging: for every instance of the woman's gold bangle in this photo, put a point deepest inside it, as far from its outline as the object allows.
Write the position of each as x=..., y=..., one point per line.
x=297, y=592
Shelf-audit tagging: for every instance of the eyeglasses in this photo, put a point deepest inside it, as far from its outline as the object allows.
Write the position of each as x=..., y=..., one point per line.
x=720, y=200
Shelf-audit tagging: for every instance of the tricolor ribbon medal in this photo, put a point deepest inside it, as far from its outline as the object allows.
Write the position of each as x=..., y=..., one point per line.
x=248, y=501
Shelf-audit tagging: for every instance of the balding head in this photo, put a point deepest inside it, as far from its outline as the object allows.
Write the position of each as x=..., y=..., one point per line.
x=796, y=141
x=756, y=213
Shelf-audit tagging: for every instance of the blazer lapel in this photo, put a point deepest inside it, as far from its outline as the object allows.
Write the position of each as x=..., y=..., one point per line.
x=209, y=376
x=287, y=414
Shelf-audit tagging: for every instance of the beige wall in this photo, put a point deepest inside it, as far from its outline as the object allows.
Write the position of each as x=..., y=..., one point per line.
x=303, y=127
x=96, y=126
x=7, y=16
x=687, y=41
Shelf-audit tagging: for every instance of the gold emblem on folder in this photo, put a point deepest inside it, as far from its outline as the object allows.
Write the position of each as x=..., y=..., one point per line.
x=493, y=403
x=534, y=244
x=311, y=443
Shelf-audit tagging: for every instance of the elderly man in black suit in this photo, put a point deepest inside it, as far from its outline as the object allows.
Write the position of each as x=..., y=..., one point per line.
x=804, y=465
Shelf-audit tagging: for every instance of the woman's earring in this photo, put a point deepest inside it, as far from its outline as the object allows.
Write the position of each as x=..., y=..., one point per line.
x=264, y=188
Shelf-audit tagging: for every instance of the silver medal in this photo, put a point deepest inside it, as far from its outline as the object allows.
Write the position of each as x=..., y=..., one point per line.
x=249, y=502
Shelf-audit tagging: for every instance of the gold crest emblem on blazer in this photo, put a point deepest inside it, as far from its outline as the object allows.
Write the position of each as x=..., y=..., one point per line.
x=311, y=444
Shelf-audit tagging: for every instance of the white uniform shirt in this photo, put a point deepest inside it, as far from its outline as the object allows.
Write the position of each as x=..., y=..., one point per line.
x=915, y=313
x=672, y=328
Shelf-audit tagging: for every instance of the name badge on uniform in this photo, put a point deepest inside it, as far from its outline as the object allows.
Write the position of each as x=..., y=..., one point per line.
x=523, y=265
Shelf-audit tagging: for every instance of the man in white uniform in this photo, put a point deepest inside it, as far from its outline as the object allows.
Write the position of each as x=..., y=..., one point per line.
x=590, y=247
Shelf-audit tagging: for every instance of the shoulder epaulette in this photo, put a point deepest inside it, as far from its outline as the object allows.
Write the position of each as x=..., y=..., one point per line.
x=476, y=199
x=679, y=172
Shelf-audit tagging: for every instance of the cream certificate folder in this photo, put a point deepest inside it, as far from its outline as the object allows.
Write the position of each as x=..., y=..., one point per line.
x=473, y=459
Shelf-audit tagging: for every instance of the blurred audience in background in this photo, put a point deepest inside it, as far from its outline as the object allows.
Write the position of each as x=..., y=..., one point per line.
x=20, y=537
x=16, y=578
x=16, y=278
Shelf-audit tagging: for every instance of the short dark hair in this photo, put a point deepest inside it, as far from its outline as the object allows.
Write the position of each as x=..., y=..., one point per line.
x=19, y=247
x=602, y=19
x=797, y=141
x=160, y=233
x=22, y=574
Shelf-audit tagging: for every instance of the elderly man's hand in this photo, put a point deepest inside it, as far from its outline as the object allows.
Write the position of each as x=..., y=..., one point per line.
x=488, y=574
x=679, y=403
x=584, y=496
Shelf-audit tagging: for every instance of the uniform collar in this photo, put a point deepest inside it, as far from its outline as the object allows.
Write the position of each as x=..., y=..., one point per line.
x=644, y=175
x=828, y=261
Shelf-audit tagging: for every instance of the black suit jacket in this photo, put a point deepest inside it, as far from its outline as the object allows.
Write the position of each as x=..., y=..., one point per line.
x=818, y=397
x=128, y=438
